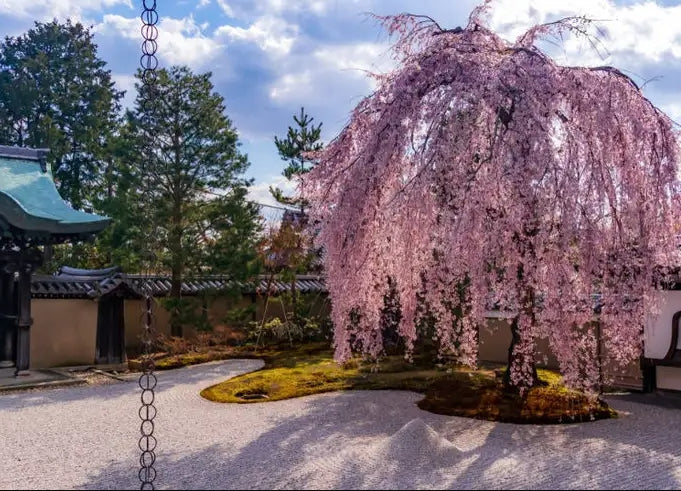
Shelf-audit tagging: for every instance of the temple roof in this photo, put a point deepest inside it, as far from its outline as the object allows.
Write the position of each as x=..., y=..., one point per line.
x=30, y=205
x=81, y=283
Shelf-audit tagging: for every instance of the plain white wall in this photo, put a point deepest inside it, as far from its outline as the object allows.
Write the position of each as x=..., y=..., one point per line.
x=658, y=331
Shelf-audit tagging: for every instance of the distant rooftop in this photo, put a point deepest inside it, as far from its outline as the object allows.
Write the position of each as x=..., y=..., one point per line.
x=23, y=153
x=30, y=205
x=83, y=283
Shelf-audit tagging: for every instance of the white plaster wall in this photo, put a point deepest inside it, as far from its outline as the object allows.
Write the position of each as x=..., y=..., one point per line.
x=669, y=378
x=658, y=329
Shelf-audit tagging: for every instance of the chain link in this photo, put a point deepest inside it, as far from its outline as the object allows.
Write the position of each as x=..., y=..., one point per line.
x=147, y=411
x=147, y=380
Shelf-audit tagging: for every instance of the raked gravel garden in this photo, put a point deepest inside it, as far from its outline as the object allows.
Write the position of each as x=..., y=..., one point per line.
x=85, y=437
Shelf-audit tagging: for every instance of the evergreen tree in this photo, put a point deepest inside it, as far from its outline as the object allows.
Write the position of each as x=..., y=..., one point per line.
x=56, y=93
x=303, y=138
x=289, y=246
x=123, y=242
x=120, y=197
x=193, y=193
x=287, y=250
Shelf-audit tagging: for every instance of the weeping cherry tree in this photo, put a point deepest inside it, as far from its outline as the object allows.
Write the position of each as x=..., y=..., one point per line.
x=482, y=174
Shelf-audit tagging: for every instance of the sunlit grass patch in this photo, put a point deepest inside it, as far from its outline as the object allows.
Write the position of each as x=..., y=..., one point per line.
x=455, y=391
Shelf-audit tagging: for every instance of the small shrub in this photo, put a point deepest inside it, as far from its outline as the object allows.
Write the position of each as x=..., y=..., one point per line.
x=205, y=339
x=173, y=345
x=297, y=325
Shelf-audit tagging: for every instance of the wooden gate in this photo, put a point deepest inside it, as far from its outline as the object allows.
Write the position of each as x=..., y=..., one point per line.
x=110, y=331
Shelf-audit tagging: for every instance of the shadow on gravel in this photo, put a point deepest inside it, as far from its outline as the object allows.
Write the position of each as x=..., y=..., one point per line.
x=326, y=445
x=167, y=380
x=667, y=400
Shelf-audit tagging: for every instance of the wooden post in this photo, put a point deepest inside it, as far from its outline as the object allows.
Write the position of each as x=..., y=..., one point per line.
x=649, y=375
x=24, y=320
x=7, y=316
x=254, y=301
x=29, y=260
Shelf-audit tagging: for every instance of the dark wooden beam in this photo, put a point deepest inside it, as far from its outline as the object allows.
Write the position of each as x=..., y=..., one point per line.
x=675, y=337
x=7, y=317
x=17, y=307
x=24, y=320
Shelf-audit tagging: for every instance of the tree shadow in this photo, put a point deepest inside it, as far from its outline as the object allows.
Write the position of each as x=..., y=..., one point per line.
x=668, y=400
x=346, y=441
x=118, y=390
x=634, y=451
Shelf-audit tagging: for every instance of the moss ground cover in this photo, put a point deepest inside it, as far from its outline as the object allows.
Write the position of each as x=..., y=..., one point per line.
x=449, y=390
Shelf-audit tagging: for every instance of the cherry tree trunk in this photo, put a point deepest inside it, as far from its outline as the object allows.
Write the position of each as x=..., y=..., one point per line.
x=519, y=356
x=518, y=359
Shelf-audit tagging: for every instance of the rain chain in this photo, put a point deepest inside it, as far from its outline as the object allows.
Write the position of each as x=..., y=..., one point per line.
x=147, y=380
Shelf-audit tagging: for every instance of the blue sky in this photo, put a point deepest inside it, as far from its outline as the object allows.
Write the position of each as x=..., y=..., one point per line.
x=270, y=57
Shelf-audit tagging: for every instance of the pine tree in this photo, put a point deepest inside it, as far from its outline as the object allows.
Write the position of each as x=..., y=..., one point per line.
x=56, y=93
x=193, y=192
x=300, y=140
x=287, y=250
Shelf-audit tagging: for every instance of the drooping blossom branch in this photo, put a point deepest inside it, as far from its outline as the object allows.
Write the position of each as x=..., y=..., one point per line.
x=484, y=163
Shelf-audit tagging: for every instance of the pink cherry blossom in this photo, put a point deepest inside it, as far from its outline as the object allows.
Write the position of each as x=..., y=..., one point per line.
x=485, y=163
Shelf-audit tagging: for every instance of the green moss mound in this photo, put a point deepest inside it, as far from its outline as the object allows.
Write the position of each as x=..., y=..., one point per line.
x=454, y=391
x=482, y=396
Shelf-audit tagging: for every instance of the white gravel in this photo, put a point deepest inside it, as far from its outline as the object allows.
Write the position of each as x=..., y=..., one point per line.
x=86, y=437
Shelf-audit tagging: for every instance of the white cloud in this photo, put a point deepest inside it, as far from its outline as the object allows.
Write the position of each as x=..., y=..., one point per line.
x=203, y=3
x=245, y=8
x=273, y=35
x=126, y=83
x=316, y=6
x=309, y=79
x=226, y=8
x=673, y=110
x=181, y=41
x=185, y=43
x=117, y=24
x=60, y=9
x=260, y=193
x=293, y=87
x=644, y=30
x=358, y=58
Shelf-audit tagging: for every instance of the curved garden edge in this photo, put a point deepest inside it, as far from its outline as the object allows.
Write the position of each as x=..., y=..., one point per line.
x=453, y=391
x=170, y=361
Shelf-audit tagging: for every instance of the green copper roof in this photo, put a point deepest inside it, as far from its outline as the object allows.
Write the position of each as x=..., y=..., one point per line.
x=30, y=203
